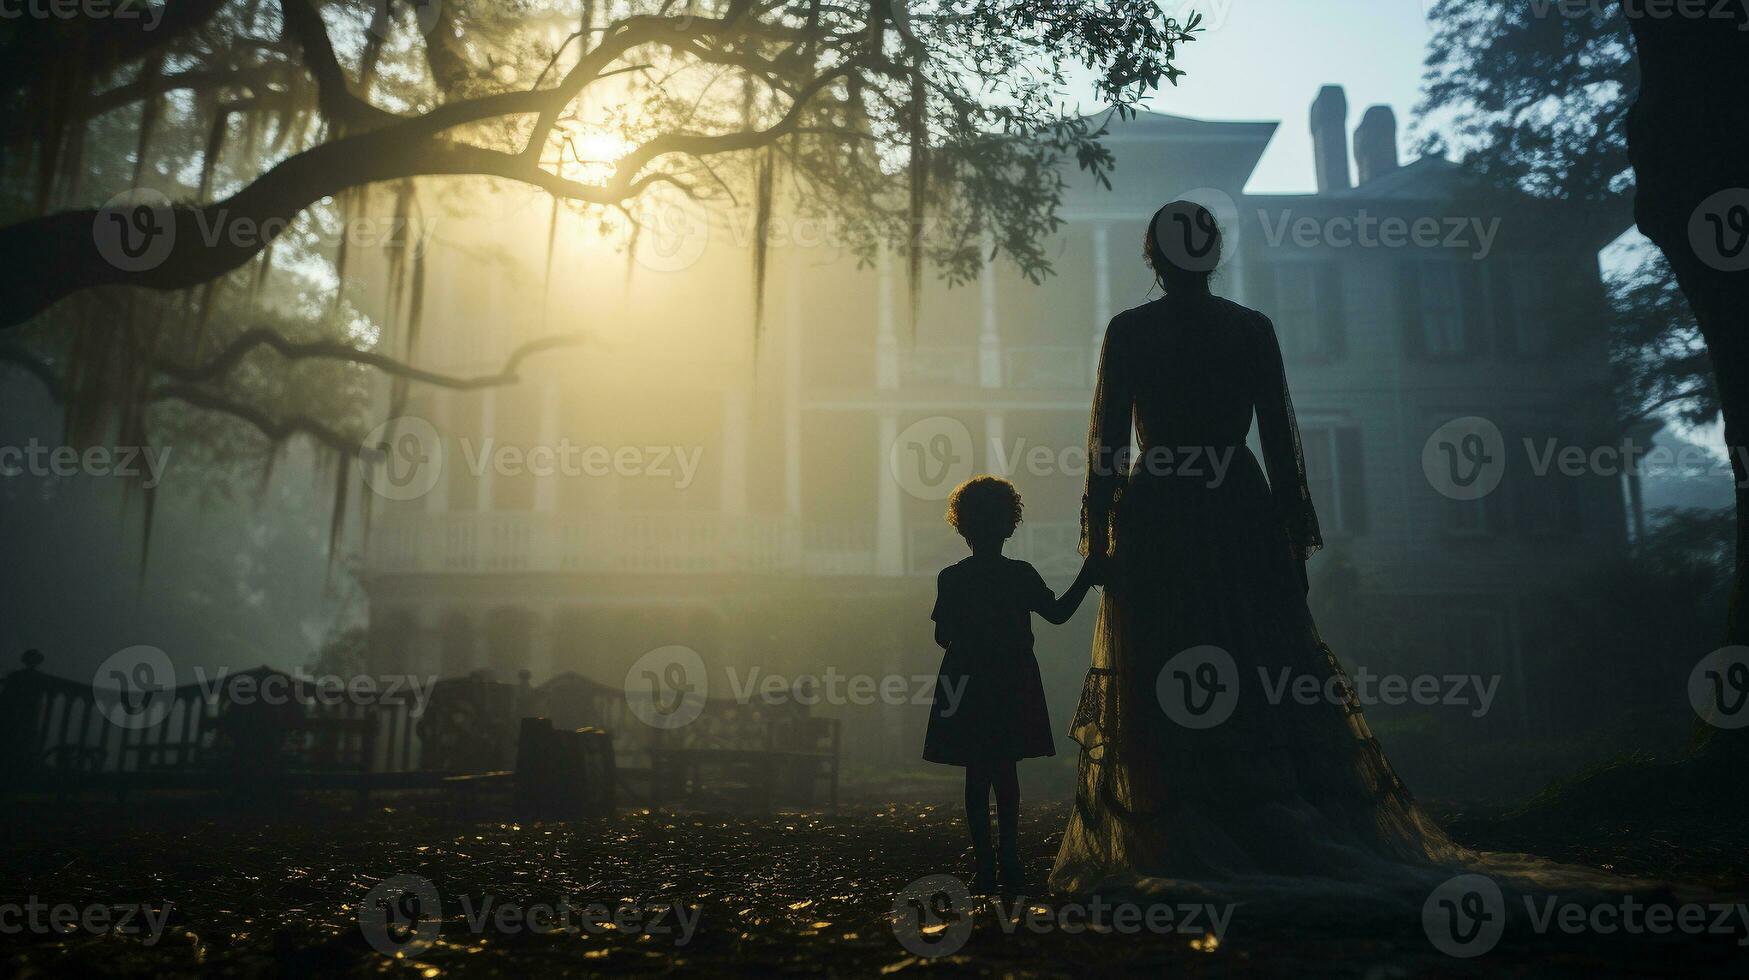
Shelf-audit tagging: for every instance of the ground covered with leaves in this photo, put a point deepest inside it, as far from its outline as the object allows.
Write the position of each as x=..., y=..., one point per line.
x=248, y=893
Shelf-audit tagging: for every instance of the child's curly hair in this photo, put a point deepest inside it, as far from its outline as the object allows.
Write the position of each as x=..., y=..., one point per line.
x=985, y=508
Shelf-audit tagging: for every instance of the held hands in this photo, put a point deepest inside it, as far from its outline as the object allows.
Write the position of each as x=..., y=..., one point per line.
x=1095, y=570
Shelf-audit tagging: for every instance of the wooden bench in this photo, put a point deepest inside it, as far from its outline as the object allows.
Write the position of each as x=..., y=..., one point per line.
x=55, y=737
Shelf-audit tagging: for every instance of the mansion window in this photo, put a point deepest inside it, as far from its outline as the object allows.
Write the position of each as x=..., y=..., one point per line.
x=1307, y=308
x=1444, y=306
x=1442, y=309
x=1536, y=306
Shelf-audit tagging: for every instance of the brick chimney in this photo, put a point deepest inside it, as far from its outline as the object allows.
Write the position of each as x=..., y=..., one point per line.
x=1375, y=143
x=1330, y=139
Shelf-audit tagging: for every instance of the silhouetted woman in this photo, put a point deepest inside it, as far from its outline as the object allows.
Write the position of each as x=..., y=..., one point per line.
x=1197, y=760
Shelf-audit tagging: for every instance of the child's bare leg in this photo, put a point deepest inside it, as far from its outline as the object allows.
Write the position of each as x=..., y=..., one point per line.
x=1007, y=785
x=979, y=777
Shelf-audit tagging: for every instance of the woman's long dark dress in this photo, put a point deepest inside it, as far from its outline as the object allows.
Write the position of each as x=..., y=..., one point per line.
x=1278, y=788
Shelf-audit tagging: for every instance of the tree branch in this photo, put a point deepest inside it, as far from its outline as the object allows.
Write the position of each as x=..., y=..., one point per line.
x=259, y=337
x=277, y=430
x=187, y=389
x=334, y=94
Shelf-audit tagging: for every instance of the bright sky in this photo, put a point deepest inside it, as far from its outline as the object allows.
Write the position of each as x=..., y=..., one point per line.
x=1266, y=59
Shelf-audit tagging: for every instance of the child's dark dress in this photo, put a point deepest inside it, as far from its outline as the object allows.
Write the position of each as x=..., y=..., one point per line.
x=983, y=609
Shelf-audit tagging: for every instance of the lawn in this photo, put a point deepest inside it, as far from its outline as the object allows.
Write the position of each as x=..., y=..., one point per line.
x=242, y=893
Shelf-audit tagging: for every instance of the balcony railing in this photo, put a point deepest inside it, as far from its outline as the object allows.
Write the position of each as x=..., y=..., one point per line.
x=1053, y=549
x=1058, y=367
x=646, y=543
x=1048, y=367
x=673, y=543
x=938, y=367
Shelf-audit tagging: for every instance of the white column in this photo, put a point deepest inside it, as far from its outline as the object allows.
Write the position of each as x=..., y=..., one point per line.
x=488, y=440
x=541, y=643
x=995, y=453
x=737, y=405
x=546, y=488
x=1237, y=269
x=1101, y=291
x=989, y=337
x=889, y=526
x=887, y=337
x=442, y=411
x=792, y=400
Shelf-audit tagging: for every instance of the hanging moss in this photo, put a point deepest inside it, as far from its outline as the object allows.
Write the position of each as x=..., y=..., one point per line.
x=151, y=110
x=761, y=239
x=919, y=140
x=215, y=146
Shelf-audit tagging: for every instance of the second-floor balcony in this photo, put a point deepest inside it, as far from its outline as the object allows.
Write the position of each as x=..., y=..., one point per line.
x=676, y=543
x=1021, y=368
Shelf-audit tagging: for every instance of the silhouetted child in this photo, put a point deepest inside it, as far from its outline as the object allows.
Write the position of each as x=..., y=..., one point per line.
x=989, y=707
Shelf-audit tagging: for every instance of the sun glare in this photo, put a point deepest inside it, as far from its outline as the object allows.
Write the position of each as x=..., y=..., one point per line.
x=590, y=155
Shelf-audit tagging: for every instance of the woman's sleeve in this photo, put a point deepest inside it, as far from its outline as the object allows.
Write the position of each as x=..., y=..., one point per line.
x=1108, y=445
x=1283, y=455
